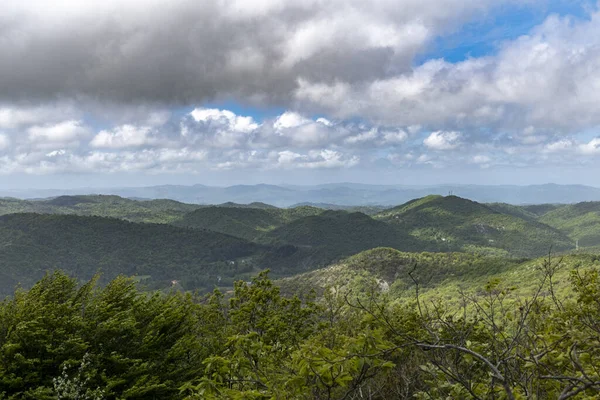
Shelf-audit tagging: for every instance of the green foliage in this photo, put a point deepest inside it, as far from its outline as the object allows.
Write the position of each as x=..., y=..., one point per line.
x=60, y=340
x=540, y=209
x=368, y=210
x=516, y=211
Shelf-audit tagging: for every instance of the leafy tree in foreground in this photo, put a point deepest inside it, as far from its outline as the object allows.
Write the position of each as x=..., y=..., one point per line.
x=133, y=345
x=61, y=340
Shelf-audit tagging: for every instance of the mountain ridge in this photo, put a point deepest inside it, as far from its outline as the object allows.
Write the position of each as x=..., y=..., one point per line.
x=342, y=194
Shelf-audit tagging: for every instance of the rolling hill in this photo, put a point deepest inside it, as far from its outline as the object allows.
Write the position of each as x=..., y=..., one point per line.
x=244, y=222
x=334, y=234
x=440, y=275
x=387, y=269
x=233, y=241
x=581, y=222
x=369, y=210
x=456, y=224
x=31, y=244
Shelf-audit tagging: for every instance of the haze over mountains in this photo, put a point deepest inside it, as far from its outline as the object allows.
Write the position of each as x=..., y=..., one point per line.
x=345, y=194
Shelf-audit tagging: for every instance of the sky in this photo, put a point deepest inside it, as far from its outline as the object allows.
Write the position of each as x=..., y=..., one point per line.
x=223, y=92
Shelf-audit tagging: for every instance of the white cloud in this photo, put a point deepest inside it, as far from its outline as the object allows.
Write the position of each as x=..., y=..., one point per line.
x=4, y=141
x=368, y=136
x=542, y=82
x=559, y=146
x=481, y=159
x=19, y=116
x=316, y=159
x=62, y=132
x=394, y=137
x=257, y=51
x=212, y=139
x=324, y=121
x=227, y=118
x=377, y=137
x=122, y=137
x=442, y=140
x=290, y=120
x=56, y=153
x=591, y=148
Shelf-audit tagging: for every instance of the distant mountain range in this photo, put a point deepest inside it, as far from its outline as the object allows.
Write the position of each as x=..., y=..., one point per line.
x=338, y=194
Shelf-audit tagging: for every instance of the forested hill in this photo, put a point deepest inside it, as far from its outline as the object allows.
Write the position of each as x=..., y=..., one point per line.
x=457, y=224
x=333, y=234
x=159, y=211
x=31, y=244
x=386, y=270
x=389, y=270
x=580, y=221
x=244, y=221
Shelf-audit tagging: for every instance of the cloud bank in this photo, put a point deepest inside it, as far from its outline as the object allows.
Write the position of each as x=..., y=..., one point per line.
x=118, y=86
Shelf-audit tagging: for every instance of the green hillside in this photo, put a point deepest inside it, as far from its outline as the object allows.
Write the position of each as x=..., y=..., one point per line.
x=158, y=211
x=579, y=221
x=369, y=210
x=255, y=204
x=515, y=211
x=31, y=244
x=455, y=224
x=541, y=209
x=246, y=222
x=440, y=275
x=335, y=234
x=387, y=269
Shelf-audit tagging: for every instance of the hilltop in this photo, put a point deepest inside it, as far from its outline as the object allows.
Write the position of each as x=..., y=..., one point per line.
x=158, y=211
x=255, y=204
x=369, y=210
x=456, y=224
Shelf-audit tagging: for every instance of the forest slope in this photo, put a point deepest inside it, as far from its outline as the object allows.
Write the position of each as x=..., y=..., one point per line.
x=439, y=275
x=456, y=224
x=31, y=244
x=335, y=234
x=579, y=221
x=245, y=222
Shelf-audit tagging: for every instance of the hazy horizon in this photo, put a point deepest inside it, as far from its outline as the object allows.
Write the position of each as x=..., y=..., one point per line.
x=283, y=184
